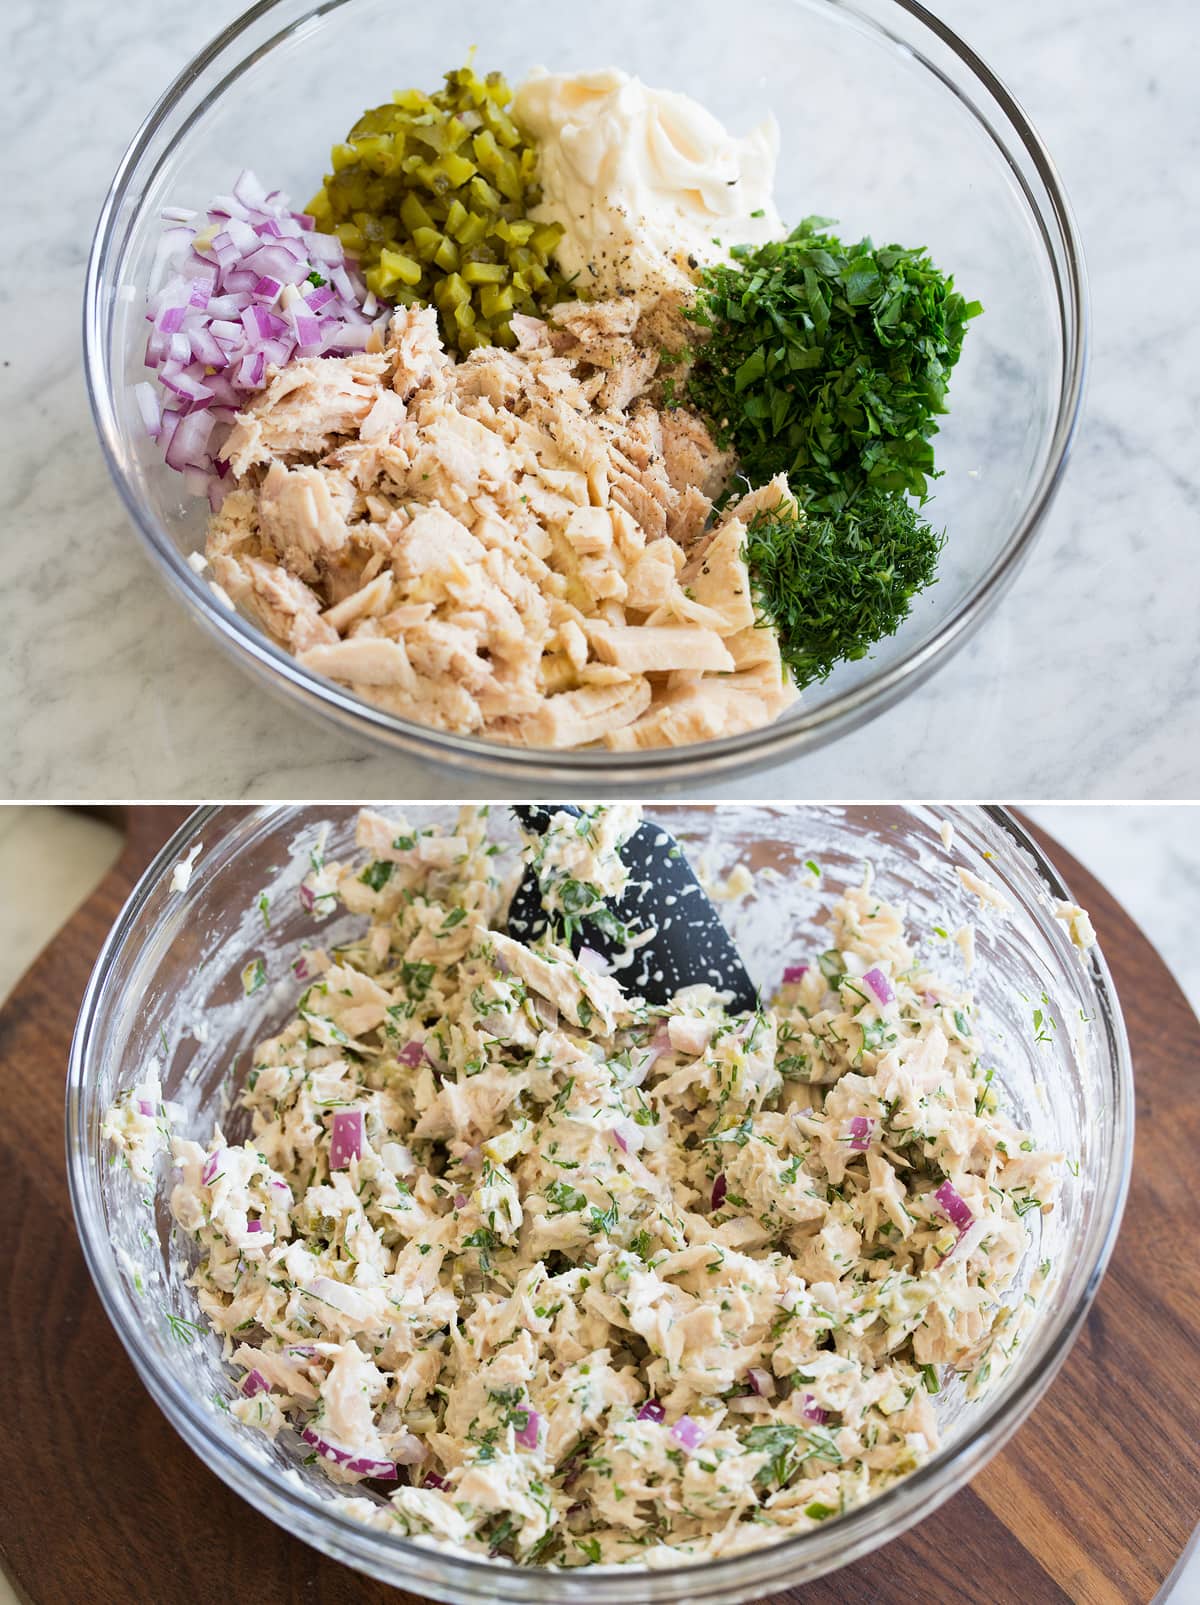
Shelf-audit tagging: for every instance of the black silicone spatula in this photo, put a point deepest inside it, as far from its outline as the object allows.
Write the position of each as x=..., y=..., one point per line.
x=690, y=944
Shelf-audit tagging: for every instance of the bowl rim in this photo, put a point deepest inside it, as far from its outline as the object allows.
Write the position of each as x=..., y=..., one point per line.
x=727, y=1578
x=803, y=731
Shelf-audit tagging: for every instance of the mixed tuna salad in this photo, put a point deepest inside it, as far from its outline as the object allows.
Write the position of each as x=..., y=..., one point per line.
x=537, y=424
x=570, y=1280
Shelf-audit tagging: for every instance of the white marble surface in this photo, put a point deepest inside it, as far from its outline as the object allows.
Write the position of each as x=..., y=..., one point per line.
x=1084, y=684
x=1149, y=857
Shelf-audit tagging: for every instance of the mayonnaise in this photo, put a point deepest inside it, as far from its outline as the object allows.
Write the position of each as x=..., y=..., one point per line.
x=647, y=183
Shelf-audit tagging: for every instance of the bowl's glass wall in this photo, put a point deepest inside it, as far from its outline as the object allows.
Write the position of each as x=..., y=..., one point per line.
x=169, y=989
x=883, y=127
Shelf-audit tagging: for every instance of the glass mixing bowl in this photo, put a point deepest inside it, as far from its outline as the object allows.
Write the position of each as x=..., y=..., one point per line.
x=167, y=986
x=889, y=123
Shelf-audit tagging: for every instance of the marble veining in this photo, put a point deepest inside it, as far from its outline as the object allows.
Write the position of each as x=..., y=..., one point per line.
x=1084, y=684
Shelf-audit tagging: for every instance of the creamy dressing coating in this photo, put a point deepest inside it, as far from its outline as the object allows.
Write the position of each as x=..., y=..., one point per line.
x=646, y=183
x=574, y=1280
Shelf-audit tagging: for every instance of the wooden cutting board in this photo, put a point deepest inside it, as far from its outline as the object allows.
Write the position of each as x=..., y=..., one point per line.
x=101, y=1503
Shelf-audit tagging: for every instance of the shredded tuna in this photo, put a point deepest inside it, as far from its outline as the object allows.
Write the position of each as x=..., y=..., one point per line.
x=515, y=545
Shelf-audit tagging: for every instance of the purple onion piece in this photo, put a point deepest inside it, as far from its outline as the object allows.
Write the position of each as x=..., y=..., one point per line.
x=955, y=1206
x=527, y=1436
x=880, y=986
x=860, y=1133
x=347, y=1140
x=688, y=1433
x=381, y=1470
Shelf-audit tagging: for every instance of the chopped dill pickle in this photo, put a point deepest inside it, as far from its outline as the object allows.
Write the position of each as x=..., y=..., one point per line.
x=432, y=194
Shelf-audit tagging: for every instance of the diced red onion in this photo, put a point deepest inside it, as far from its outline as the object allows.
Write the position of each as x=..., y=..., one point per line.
x=346, y=1142
x=688, y=1433
x=189, y=442
x=954, y=1205
x=412, y=1054
x=620, y=1141
x=249, y=191
x=149, y=408
x=812, y=1411
x=761, y=1381
x=170, y=320
x=381, y=1470
x=929, y=1000
x=254, y=1226
x=591, y=960
x=460, y=1200
x=308, y=898
x=146, y=1108
x=880, y=986
x=308, y=334
x=254, y=1382
x=432, y=1480
x=860, y=1133
x=794, y=972
x=329, y=1451
x=300, y=967
x=720, y=1188
x=283, y=1187
x=251, y=370
x=210, y=1167
x=652, y=1411
x=527, y=1437
x=215, y=309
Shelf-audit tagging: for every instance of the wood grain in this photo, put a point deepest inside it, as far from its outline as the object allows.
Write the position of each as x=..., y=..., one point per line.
x=1093, y=1501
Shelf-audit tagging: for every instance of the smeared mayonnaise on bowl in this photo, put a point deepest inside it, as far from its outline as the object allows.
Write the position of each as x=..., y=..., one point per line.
x=644, y=181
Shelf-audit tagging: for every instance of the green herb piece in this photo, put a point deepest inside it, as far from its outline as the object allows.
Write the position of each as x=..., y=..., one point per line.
x=485, y=1241
x=564, y=1199
x=828, y=362
x=377, y=875
x=184, y=1331
x=834, y=586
